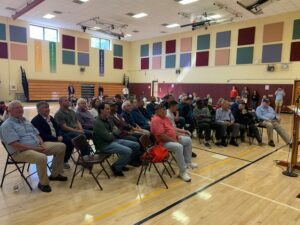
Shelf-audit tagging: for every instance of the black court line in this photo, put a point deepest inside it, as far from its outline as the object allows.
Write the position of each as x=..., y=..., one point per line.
x=229, y=156
x=203, y=188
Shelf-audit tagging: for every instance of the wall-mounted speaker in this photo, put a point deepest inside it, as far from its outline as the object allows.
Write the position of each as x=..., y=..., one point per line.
x=82, y=69
x=270, y=68
x=177, y=71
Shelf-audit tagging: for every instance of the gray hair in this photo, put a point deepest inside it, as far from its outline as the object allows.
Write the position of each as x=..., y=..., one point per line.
x=126, y=103
x=41, y=104
x=13, y=104
x=80, y=100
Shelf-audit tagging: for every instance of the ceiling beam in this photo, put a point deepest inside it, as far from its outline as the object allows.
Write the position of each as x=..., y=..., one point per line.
x=27, y=8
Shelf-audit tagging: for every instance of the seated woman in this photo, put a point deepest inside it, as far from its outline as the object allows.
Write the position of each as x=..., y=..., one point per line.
x=94, y=107
x=247, y=123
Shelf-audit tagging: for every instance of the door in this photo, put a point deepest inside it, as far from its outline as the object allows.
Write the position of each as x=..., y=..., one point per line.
x=154, y=88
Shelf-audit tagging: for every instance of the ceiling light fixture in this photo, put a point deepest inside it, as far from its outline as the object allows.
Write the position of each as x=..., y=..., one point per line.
x=84, y=0
x=128, y=35
x=49, y=16
x=216, y=16
x=140, y=15
x=172, y=25
x=185, y=2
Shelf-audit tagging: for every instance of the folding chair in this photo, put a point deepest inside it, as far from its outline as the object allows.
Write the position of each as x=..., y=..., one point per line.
x=146, y=145
x=88, y=161
x=11, y=161
x=261, y=129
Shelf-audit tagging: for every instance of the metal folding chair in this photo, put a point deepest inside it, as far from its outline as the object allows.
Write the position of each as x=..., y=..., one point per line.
x=20, y=169
x=88, y=161
x=146, y=145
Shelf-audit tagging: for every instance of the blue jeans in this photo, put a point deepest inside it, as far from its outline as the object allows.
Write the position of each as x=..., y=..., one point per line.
x=126, y=150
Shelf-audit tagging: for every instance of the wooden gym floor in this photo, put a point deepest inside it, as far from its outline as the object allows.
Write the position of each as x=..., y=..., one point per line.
x=231, y=186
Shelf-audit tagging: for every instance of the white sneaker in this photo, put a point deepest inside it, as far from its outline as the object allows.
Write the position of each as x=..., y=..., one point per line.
x=184, y=176
x=192, y=165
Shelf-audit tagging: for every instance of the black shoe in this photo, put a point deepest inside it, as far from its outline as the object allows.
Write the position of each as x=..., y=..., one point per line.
x=44, y=188
x=117, y=173
x=58, y=178
x=223, y=143
x=135, y=164
x=125, y=168
x=207, y=145
x=194, y=155
x=271, y=143
x=234, y=143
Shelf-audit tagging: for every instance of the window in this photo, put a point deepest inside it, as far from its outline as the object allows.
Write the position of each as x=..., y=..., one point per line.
x=43, y=33
x=100, y=43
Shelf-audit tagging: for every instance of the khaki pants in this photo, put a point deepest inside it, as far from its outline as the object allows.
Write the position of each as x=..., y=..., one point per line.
x=275, y=125
x=56, y=149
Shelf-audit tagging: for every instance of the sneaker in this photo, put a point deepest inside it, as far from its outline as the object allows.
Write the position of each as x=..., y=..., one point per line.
x=44, y=188
x=67, y=166
x=185, y=177
x=234, y=143
x=271, y=143
x=194, y=155
x=58, y=178
x=192, y=165
x=207, y=145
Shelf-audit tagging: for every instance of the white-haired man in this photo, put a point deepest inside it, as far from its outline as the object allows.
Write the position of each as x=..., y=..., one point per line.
x=86, y=119
x=126, y=114
x=23, y=142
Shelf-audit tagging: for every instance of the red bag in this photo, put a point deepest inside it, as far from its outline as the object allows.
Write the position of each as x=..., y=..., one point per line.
x=155, y=154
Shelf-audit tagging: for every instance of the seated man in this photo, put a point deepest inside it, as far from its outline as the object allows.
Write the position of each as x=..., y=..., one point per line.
x=119, y=102
x=151, y=106
x=126, y=114
x=143, y=110
x=50, y=131
x=85, y=118
x=70, y=126
x=127, y=132
x=235, y=106
x=186, y=111
x=269, y=119
x=203, y=121
x=138, y=117
x=225, y=117
x=105, y=141
x=180, y=145
x=171, y=111
x=25, y=145
x=247, y=123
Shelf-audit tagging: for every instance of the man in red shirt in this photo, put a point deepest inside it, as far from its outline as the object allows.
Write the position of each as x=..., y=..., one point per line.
x=178, y=143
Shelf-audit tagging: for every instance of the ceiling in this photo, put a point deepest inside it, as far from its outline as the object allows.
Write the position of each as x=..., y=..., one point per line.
x=159, y=12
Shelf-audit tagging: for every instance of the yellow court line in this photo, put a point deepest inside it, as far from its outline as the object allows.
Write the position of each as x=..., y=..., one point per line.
x=135, y=201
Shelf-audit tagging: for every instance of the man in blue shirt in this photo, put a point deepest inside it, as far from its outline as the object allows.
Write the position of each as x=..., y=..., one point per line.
x=23, y=142
x=138, y=116
x=224, y=116
x=270, y=120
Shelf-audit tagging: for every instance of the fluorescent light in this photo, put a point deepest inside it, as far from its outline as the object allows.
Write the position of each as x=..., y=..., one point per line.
x=96, y=28
x=84, y=0
x=185, y=2
x=49, y=16
x=173, y=25
x=128, y=35
x=140, y=15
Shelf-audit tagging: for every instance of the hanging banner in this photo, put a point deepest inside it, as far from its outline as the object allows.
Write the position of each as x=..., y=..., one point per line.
x=101, y=62
x=38, y=56
x=52, y=57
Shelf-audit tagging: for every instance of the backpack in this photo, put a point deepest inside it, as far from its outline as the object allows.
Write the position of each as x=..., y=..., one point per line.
x=155, y=154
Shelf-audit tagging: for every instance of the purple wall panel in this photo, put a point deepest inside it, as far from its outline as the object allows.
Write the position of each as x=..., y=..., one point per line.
x=246, y=36
x=170, y=46
x=68, y=42
x=3, y=50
